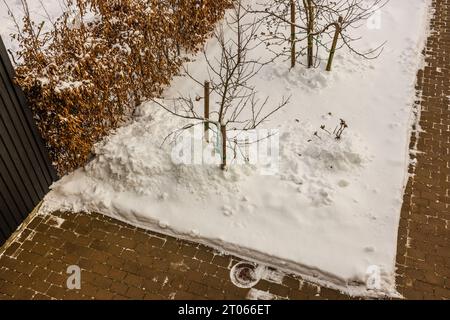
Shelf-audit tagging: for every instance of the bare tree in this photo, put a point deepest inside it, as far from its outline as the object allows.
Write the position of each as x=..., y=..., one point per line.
x=229, y=81
x=320, y=24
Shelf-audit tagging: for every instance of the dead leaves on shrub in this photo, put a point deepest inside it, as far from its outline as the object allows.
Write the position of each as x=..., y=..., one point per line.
x=86, y=74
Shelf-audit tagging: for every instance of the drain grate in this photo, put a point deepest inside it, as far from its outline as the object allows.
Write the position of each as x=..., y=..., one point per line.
x=246, y=274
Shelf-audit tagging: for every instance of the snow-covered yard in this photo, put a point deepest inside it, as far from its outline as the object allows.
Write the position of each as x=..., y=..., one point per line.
x=330, y=208
x=53, y=9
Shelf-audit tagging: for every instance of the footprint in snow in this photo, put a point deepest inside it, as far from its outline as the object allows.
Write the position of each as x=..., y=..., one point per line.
x=227, y=211
x=163, y=196
x=343, y=183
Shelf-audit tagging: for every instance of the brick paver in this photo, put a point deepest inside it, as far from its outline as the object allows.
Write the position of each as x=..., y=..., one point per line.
x=119, y=261
x=423, y=252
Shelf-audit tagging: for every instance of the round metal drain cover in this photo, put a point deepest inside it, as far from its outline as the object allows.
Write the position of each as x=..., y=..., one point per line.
x=245, y=274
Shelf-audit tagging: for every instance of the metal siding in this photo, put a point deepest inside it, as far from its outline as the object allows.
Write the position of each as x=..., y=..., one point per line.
x=25, y=168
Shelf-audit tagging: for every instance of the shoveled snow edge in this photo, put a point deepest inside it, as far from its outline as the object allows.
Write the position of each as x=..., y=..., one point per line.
x=308, y=274
x=414, y=121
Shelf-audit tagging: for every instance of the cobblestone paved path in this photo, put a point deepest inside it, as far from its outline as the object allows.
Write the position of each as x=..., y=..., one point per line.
x=423, y=251
x=119, y=261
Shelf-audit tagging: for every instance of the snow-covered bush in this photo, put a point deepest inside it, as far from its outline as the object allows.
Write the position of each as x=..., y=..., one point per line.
x=84, y=73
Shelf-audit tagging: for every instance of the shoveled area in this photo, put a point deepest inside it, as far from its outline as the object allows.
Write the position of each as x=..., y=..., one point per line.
x=423, y=251
x=119, y=261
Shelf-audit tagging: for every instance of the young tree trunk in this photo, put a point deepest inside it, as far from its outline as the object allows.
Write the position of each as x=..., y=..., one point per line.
x=292, y=33
x=223, y=132
x=334, y=44
x=239, y=36
x=206, y=97
x=310, y=32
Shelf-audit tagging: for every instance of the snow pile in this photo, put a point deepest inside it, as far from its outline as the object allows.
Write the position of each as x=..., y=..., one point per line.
x=307, y=79
x=136, y=160
x=331, y=208
x=315, y=80
x=310, y=159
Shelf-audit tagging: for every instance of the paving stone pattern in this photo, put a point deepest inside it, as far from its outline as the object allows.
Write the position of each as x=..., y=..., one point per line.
x=119, y=261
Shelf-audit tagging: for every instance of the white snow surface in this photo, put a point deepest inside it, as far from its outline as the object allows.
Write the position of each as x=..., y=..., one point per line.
x=46, y=11
x=330, y=213
x=52, y=9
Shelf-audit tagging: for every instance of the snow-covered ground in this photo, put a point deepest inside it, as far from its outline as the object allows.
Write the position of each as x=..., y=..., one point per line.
x=331, y=209
x=40, y=10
